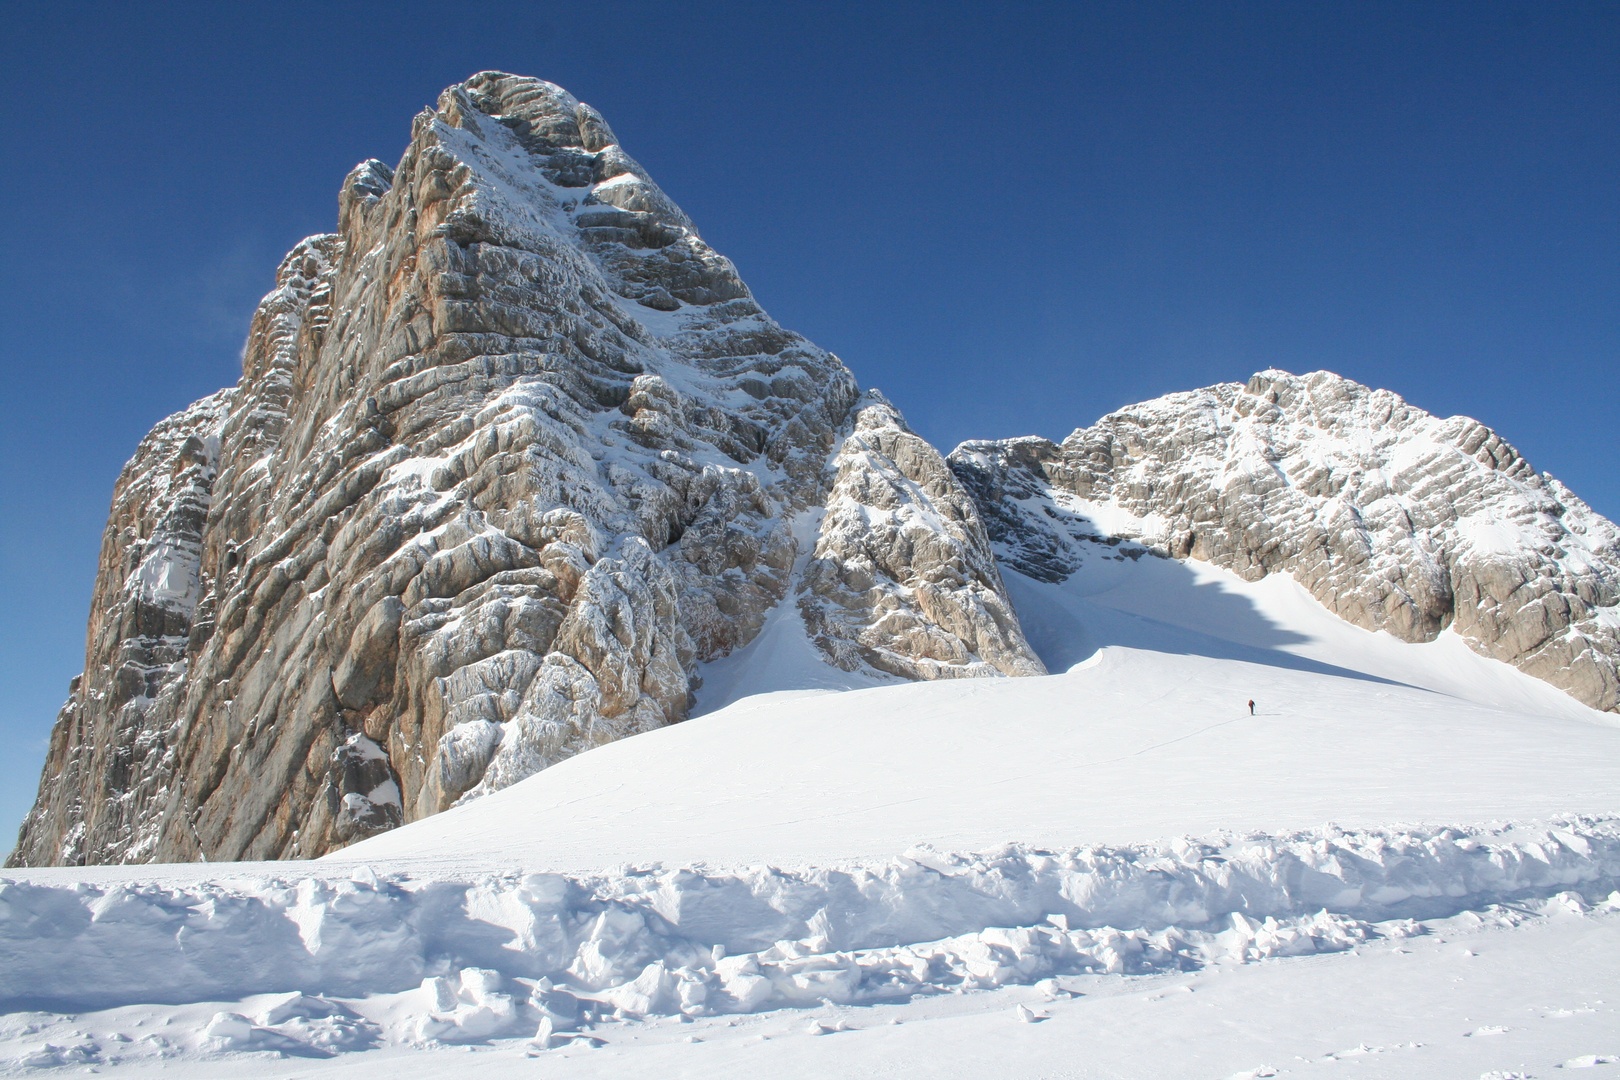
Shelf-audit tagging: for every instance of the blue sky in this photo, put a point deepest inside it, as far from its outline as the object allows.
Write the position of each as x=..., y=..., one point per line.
x=1011, y=218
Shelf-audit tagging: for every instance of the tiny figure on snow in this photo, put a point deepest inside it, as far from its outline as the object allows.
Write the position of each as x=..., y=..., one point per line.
x=1251, y=706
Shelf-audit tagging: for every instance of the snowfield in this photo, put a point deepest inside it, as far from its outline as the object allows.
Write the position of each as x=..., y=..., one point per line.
x=1403, y=864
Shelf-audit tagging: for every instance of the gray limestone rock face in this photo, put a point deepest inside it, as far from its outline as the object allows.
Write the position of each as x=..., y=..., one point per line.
x=1392, y=518
x=513, y=451
x=111, y=750
x=903, y=578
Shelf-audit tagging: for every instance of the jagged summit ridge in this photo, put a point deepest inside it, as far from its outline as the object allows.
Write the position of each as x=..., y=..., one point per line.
x=513, y=451
x=1392, y=518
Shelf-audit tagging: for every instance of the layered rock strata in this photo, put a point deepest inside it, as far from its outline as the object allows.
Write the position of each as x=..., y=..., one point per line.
x=513, y=451
x=1392, y=518
x=903, y=578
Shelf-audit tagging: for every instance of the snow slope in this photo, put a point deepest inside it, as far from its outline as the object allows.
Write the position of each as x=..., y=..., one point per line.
x=1144, y=734
x=1122, y=598
x=1512, y=995
x=710, y=896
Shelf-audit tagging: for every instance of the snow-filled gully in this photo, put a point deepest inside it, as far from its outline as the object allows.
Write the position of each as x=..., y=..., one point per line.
x=548, y=955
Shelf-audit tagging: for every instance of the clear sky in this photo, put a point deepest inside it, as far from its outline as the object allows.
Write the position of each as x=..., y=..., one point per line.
x=1011, y=218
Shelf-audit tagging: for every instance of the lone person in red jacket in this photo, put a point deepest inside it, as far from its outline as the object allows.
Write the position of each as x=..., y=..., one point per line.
x=1251, y=706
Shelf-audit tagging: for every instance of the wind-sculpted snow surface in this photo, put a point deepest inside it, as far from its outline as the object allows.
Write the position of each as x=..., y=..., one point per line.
x=512, y=955
x=513, y=451
x=1392, y=518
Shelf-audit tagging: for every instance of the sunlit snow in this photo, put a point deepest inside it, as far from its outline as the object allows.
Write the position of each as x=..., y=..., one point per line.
x=987, y=877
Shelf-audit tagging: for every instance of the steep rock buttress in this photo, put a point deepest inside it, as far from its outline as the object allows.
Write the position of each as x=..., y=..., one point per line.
x=513, y=451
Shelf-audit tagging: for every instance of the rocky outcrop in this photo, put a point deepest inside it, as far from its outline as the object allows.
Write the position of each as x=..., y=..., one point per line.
x=513, y=451
x=104, y=760
x=903, y=578
x=1392, y=518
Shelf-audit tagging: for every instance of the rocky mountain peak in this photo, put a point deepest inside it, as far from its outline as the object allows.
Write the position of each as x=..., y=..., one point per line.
x=513, y=453
x=1394, y=519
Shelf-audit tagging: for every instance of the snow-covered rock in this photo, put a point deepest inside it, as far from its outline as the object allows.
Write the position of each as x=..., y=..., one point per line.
x=1392, y=518
x=513, y=451
x=903, y=578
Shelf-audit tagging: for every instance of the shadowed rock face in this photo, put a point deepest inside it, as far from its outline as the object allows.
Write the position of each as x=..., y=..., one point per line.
x=513, y=450
x=1394, y=519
